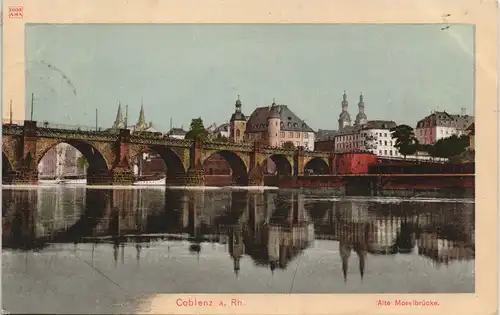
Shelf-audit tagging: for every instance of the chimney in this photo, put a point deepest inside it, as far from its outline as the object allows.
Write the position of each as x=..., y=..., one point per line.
x=463, y=111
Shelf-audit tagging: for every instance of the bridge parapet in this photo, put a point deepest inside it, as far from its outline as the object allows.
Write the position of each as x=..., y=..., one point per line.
x=12, y=130
x=77, y=134
x=317, y=154
x=220, y=146
x=274, y=150
x=160, y=139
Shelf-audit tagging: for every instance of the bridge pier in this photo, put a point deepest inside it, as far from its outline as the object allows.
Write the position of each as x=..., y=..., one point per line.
x=195, y=176
x=20, y=177
x=110, y=177
x=256, y=176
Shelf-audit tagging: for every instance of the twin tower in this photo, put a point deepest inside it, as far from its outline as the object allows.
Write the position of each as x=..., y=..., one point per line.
x=345, y=118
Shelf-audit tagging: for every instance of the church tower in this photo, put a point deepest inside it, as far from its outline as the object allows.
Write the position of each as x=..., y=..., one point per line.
x=274, y=126
x=141, y=124
x=237, y=123
x=361, y=116
x=119, y=123
x=344, y=117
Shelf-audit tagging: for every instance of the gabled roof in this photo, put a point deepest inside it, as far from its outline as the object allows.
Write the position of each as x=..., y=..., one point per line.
x=289, y=120
x=446, y=120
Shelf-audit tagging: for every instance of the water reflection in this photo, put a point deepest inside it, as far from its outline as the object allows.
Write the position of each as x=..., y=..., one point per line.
x=273, y=227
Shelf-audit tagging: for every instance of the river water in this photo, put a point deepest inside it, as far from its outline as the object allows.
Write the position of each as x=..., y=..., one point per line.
x=77, y=250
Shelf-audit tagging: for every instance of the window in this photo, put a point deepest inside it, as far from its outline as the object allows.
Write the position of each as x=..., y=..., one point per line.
x=390, y=152
x=297, y=135
x=380, y=152
x=290, y=134
x=276, y=123
x=385, y=142
x=237, y=133
x=385, y=152
x=282, y=134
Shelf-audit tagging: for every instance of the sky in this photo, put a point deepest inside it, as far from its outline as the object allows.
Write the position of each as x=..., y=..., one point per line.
x=184, y=71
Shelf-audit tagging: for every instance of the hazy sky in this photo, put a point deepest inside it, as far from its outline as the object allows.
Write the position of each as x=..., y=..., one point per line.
x=189, y=70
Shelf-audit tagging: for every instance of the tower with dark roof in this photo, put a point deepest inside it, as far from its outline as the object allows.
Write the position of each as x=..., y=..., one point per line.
x=361, y=118
x=344, y=117
x=274, y=125
x=237, y=123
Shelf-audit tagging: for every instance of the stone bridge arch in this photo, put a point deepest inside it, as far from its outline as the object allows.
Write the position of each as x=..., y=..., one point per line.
x=237, y=161
x=316, y=165
x=97, y=161
x=283, y=163
x=176, y=160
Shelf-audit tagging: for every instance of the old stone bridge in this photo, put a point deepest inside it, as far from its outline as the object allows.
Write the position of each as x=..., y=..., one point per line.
x=111, y=153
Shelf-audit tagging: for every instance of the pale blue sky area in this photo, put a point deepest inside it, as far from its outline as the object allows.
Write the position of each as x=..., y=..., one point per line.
x=189, y=70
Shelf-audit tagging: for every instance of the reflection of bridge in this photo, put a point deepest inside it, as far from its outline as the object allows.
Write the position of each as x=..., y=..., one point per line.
x=272, y=228
x=111, y=153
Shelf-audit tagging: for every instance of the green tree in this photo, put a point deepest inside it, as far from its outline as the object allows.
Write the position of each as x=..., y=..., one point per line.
x=82, y=162
x=451, y=146
x=197, y=129
x=288, y=145
x=429, y=148
x=406, y=142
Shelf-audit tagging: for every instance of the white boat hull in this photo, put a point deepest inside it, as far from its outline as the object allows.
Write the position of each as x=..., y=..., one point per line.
x=155, y=182
x=82, y=181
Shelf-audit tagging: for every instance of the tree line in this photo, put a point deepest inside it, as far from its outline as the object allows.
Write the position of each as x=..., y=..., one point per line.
x=408, y=144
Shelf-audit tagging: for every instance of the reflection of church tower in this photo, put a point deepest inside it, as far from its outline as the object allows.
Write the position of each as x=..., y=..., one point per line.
x=361, y=252
x=236, y=246
x=344, y=117
x=273, y=247
x=345, y=253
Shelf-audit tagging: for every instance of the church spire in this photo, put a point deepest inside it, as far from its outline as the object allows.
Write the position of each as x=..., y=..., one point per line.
x=361, y=118
x=344, y=117
x=142, y=120
x=345, y=103
x=119, y=124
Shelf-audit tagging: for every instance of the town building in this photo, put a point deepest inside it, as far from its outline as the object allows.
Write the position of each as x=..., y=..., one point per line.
x=221, y=131
x=373, y=136
x=271, y=125
x=439, y=125
x=324, y=135
x=177, y=133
